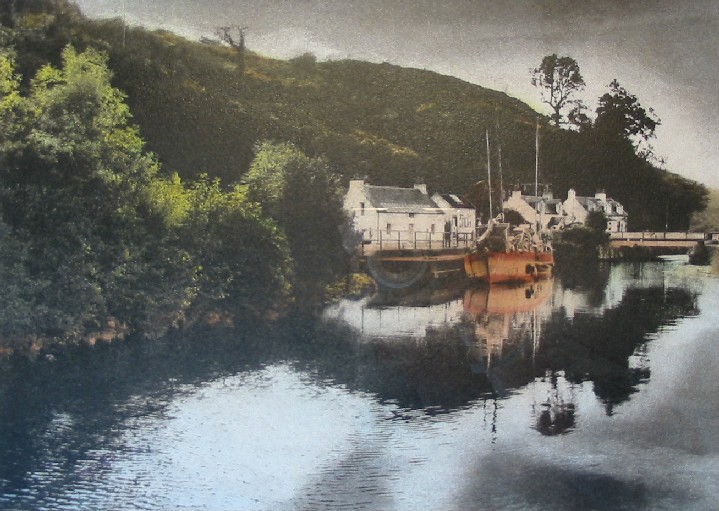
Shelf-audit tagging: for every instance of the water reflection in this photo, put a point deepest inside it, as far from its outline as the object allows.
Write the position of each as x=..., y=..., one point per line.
x=387, y=403
x=64, y=419
x=432, y=355
x=507, y=319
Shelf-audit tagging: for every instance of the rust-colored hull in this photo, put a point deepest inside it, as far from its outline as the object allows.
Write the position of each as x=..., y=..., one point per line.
x=499, y=267
x=509, y=299
x=545, y=264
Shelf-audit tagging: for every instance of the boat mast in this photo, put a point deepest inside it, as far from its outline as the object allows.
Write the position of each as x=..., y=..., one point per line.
x=536, y=160
x=489, y=175
x=501, y=178
x=536, y=177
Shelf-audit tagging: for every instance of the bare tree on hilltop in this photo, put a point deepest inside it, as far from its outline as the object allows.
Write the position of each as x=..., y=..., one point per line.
x=226, y=35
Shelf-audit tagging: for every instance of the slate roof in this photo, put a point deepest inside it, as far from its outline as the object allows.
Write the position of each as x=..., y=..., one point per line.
x=590, y=203
x=456, y=201
x=400, y=200
x=595, y=204
x=552, y=204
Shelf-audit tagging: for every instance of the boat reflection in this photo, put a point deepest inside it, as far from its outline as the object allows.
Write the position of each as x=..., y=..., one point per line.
x=436, y=294
x=496, y=340
x=506, y=318
x=507, y=299
x=508, y=330
x=556, y=415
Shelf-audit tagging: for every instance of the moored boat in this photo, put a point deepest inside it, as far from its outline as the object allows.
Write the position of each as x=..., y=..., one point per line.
x=501, y=256
x=506, y=254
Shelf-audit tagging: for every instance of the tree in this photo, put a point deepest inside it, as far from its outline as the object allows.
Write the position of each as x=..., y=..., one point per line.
x=558, y=79
x=240, y=256
x=90, y=230
x=238, y=44
x=70, y=136
x=304, y=65
x=597, y=220
x=620, y=114
x=304, y=197
x=76, y=198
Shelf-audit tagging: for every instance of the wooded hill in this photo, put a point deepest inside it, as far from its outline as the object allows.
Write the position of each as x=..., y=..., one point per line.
x=238, y=216
x=202, y=109
x=707, y=220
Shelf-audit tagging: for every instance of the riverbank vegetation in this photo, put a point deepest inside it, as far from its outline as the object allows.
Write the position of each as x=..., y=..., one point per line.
x=582, y=244
x=148, y=181
x=97, y=241
x=707, y=219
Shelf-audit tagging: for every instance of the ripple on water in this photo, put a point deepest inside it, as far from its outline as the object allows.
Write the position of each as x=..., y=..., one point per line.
x=249, y=441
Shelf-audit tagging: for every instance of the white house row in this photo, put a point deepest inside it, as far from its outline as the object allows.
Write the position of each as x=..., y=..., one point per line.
x=392, y=217
x=557, y=214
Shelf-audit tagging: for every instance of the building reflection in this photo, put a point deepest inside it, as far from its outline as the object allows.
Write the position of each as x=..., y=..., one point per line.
x=447, y=348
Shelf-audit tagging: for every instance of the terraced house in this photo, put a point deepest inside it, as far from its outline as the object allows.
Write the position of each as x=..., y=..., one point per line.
x=388, y=217
x=577, y=209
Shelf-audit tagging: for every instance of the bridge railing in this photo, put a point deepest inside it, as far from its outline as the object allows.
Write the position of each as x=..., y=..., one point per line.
x=414, y=240
x=657, y=236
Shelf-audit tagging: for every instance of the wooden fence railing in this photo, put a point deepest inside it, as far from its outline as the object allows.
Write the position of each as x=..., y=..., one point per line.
x=415, y=240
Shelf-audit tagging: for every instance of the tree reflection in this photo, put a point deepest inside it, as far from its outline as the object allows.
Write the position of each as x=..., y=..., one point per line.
x=598, y=347
x=557, y=414
x=507, y=337
x=486, y=342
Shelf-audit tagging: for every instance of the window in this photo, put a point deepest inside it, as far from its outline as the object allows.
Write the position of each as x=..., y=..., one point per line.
x=411, y=215
x=389, y=228
x=361, y=208
x=432, y=228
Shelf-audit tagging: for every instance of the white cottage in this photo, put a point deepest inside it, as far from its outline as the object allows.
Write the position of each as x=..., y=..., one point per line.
x=460, y=214
x=578, y=208
x=389, y=217
x=544, y=209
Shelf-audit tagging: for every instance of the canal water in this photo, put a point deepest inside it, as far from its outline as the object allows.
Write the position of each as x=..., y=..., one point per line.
x=594, y=390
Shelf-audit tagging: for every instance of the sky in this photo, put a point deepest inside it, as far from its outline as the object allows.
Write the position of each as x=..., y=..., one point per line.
x=665, y=52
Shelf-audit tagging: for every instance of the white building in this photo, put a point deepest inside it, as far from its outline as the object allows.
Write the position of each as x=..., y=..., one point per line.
x=390, y=217
x=578, y=208
x=544, y=209
x=462, y=215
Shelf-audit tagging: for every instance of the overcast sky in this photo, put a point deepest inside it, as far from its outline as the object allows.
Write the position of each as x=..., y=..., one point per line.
x=666, y=52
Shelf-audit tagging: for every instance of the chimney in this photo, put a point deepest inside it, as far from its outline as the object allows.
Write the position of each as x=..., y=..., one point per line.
x=601, y=196
x=422, y=188
x=571, y=194
x=356, y=184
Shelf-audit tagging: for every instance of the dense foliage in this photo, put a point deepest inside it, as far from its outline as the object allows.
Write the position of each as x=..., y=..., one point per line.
x=93, y=228
x=304, y=197
x=93, y=233
x=201, y=112
x=391, y=125
x=707, y=220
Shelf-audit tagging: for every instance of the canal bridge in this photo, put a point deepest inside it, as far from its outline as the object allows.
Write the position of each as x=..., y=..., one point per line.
x=658, y=240
x=396, y=244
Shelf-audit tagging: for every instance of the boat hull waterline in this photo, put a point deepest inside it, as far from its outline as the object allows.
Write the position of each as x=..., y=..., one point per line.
x=506, y=267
